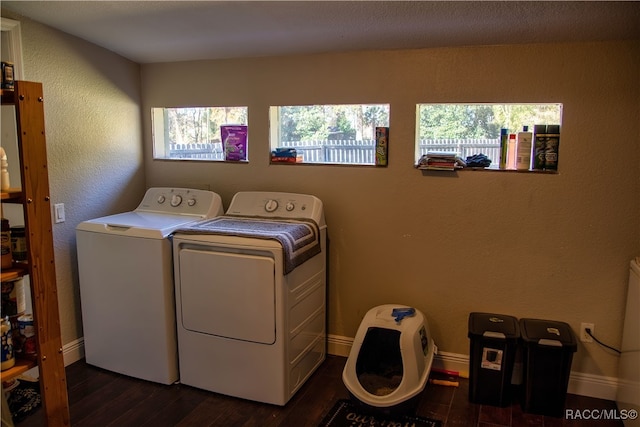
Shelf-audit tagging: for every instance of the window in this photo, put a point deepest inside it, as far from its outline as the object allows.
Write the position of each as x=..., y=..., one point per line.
x=327, y=134
x=469, y=129
x=193, y=133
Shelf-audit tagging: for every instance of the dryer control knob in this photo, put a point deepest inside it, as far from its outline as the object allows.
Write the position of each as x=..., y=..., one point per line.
x=161, y=199
x=176, y=200
x=290, y=206
x=271, y=205
x=191, y=202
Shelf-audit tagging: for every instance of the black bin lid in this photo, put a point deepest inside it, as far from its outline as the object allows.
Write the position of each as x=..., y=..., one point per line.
x=491, y=325
x=548, y=333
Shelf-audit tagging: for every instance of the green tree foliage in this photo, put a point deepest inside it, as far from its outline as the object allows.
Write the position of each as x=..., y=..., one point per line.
x=201, y=124
x=515, y=116
x=344, y=128
x=303, y=123
x=324, y=122
x=482, y=121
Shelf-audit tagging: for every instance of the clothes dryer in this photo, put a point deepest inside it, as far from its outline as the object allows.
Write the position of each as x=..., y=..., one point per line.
x=126, y=282
x=250, y=297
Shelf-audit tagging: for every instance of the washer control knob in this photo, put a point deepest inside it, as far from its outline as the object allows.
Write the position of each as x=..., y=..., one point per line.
x=191, y=202
x=271, y=205
x=176, y=200
x=161, y=199
x=290, y=206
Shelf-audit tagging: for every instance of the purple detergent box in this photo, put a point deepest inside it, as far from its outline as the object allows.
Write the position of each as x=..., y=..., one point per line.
x=234, y=142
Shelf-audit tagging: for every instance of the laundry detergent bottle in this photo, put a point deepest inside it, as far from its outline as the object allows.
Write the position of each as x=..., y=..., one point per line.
x=523, y=150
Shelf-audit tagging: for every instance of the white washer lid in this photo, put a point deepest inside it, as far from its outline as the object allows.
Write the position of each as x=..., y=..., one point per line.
x=138, y=224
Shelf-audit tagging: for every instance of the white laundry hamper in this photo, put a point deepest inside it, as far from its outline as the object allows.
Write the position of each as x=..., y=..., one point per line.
x=390, y=360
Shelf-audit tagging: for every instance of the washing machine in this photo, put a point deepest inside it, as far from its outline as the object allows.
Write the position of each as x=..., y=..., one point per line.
x=250, y=297
x=125, y=268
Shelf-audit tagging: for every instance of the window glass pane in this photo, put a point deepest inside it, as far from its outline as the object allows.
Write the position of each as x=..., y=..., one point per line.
x=469, y=129
x=328, y=134
x=192, y=133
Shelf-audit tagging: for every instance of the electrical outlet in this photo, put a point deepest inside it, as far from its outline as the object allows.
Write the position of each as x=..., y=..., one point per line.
x=584, y=336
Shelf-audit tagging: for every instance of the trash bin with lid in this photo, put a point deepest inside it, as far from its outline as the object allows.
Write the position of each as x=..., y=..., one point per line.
x=494, y=341
x=548, y=348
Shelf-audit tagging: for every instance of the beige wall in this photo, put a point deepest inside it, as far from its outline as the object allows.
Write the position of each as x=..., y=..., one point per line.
x=548, y=246
x=92, y=120
x=530, y=245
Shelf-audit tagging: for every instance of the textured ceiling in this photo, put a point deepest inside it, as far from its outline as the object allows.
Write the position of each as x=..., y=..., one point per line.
x=166, y=31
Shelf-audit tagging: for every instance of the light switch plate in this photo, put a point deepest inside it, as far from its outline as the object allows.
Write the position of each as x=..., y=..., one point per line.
x=58, y=212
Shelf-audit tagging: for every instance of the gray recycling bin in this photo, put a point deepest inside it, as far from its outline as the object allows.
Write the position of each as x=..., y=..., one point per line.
x=494, y=341
x=548, y=348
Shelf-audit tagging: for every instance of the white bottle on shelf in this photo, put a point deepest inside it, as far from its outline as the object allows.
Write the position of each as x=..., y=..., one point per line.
x=5, y=183
x=523, y=142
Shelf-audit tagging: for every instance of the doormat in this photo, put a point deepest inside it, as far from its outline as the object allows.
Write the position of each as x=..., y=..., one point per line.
x=24, y=399
x=345, y=414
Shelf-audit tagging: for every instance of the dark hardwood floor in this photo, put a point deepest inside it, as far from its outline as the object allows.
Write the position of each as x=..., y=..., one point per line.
x=100, y=398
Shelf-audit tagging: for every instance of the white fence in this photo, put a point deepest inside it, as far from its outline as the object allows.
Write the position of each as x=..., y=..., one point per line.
x=361, y=152
x=464, y=147
x=204, y=151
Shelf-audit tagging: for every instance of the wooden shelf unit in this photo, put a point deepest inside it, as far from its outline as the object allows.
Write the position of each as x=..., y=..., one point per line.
x=15, y=272
x=28, y=100
x=12, y=195
x=21, y=366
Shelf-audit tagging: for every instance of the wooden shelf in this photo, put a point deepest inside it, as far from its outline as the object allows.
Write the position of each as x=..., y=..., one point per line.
x=34, y=196
x=21, y=366
x=8, y=97
x=15, y=272
x=12, y=195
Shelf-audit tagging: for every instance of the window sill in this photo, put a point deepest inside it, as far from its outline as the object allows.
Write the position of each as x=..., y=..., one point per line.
x=359, y=165
x=200, y=160
x=489, y=169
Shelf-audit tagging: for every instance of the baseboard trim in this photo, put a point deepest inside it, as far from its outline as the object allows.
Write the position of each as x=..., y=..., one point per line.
x=591, y=385
x=582, y=384
x=338, y=345
x=73, y=351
